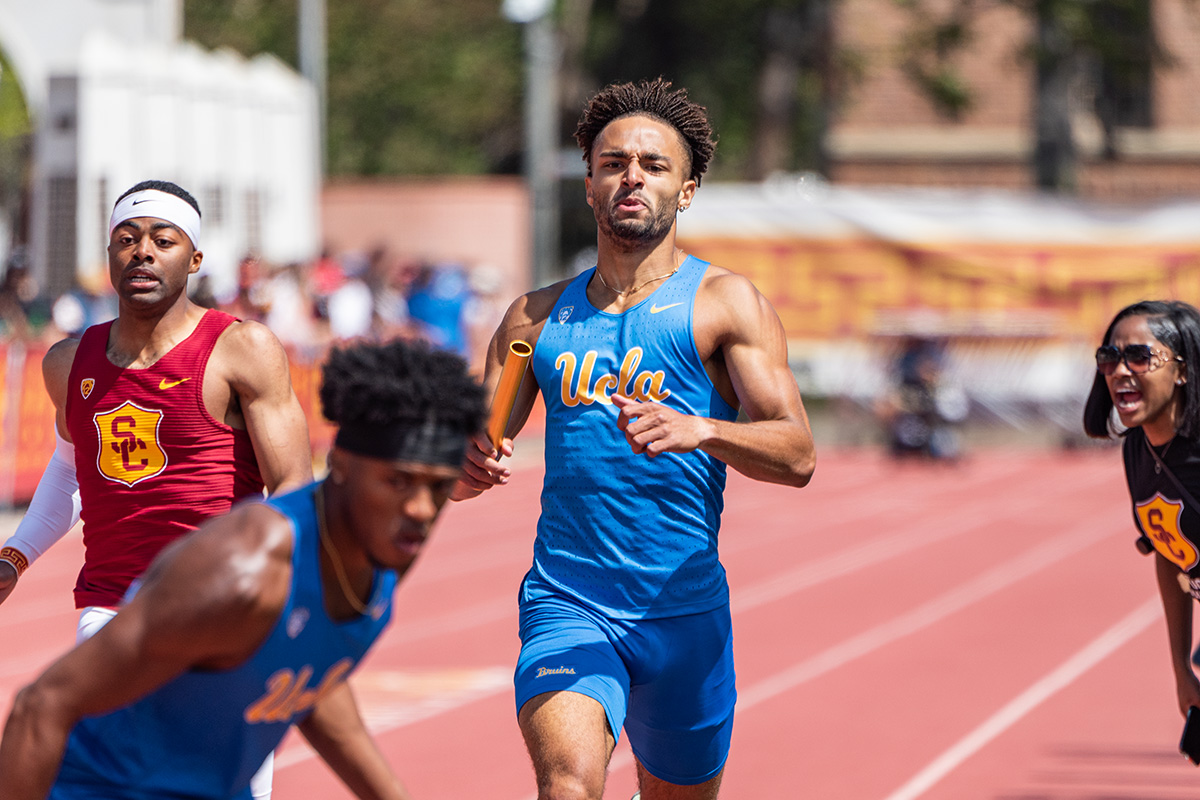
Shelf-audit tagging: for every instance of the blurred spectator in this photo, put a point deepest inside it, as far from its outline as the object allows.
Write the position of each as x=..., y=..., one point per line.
x=24, y=312
x=14, y=323
x=72, y=312
x=350, y=307
x=201, y=292
x=391, y=298
x=325, y=278
x=337, y=296
x=435, y=305
x=389, y=279
x=920, y=413
x=289, y=307
x=250, y=300
x=483, y=312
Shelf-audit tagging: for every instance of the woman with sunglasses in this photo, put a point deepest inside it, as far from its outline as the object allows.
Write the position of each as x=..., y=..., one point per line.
x=1142, y=371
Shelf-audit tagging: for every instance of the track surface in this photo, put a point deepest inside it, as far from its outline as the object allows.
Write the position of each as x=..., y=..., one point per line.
x=901, y=631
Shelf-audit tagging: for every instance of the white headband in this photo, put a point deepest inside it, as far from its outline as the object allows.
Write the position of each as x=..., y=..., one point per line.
x=160, y=205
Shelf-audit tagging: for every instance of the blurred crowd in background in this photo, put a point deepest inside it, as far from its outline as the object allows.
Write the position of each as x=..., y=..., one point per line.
x=308, y=305
x=918, y=404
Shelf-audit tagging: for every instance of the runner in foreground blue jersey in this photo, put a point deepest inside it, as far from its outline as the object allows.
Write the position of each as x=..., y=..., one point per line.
x=253, y=623
x=643, y=363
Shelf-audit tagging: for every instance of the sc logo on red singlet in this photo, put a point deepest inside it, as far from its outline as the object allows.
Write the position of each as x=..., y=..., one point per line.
x=129, y=447
x=1159, y=518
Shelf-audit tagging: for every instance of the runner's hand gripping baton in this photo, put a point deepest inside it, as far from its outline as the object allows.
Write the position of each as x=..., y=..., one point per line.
x=515, y=362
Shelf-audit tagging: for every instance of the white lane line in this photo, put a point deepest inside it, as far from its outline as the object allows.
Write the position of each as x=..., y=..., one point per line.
x=973, y=495
x=999, y=577
x=392, y=699
x=900, y=540
x=1064, y=675
x=1003, y=575
x=846, y=562
x=475, y=615
x=803, y=576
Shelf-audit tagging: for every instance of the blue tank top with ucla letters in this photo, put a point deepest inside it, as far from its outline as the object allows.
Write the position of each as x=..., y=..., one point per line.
x=204, y=734
x=629, y=535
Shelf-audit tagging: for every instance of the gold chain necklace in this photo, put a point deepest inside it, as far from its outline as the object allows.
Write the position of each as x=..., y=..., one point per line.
x=340, y=571
x=641, y=285
x=1161, y=456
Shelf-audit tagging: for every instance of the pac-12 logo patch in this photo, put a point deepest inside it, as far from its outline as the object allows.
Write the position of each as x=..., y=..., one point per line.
x=129, y=444
x=85, y=387
x=564, y=313
x=296, y=622
x=1159, y=518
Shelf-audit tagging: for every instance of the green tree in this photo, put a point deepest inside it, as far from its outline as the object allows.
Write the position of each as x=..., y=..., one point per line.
x=423, y=87
x=16, y=141
x=1107, y=44
x=415, y=87
x=766, y=69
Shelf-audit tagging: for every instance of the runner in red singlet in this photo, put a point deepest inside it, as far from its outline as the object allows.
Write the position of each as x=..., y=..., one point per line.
x=165, y=416
x=152, y=460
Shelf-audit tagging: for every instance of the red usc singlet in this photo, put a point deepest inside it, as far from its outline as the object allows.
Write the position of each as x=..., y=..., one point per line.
x=152, y=462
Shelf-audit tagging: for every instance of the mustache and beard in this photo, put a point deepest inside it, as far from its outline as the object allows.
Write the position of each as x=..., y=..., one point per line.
x=631, y=233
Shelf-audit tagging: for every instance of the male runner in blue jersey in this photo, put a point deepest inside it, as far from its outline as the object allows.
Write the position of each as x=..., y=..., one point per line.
x=252, y=623
x=643, y=363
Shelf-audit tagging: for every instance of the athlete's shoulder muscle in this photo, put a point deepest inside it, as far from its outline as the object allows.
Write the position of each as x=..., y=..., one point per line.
x=249, y=361
x=529, y=312
x=56, y=369
x=244, y=345
x=729, y=308
x=224, y=585
x=524, y=319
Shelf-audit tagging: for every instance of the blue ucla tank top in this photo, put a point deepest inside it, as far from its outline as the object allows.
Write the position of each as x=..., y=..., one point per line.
x=628, y=535
x=205, y=733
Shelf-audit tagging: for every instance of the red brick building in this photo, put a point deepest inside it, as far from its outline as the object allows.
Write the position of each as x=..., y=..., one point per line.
x=888, y=132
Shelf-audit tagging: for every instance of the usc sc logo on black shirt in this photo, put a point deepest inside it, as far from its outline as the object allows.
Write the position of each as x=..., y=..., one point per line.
x=1158, y=518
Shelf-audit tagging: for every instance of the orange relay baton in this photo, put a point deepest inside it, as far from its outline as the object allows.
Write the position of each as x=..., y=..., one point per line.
x=515, y=362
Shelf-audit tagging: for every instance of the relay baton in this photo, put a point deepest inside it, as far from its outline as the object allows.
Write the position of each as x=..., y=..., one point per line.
x=515, y=362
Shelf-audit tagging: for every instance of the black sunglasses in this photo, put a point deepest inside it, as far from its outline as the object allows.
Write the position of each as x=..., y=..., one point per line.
x=1139, y=358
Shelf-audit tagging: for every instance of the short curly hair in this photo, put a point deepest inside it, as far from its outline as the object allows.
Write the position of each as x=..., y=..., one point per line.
x=400, y=381
x=655, y=99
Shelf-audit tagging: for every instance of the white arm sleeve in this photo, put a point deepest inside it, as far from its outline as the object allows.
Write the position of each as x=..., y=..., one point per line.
x=54, y=509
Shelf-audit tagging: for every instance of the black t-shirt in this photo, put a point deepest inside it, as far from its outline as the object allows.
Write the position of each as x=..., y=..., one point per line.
x=1159, y=510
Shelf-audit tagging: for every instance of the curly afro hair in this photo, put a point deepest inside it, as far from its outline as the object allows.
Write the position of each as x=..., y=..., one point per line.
x=400, y=381
x=653, y=99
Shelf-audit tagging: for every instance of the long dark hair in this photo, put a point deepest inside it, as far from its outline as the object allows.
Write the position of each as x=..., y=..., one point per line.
x=1177, y=325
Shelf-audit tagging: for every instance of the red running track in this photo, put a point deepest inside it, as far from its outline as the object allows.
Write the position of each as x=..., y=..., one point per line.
x=901, y=631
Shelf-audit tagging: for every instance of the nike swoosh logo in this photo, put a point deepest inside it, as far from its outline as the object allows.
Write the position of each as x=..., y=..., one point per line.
x=143, y=200
x=166, y=384
x=654, y=309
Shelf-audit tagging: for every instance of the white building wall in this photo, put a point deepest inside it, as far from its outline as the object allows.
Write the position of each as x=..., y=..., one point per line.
x=43, y=37
x=239, y=135
x=117, y=97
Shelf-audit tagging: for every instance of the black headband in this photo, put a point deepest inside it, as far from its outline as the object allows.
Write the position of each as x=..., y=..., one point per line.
x=428, y=442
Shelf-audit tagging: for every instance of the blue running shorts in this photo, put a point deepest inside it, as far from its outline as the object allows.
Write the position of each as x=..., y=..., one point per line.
x=78, y=791
x=669, y=681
